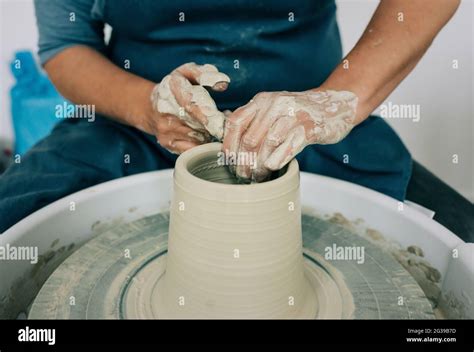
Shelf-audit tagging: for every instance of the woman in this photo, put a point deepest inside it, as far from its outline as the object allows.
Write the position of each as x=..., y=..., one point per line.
x=290, y=88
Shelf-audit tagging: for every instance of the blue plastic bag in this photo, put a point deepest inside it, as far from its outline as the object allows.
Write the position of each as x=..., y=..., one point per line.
x=33, y=102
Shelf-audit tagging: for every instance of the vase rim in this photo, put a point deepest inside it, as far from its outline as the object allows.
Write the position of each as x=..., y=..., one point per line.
x=184, y=176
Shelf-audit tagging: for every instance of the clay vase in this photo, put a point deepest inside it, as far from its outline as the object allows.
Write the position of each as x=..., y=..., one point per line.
x=235, y=250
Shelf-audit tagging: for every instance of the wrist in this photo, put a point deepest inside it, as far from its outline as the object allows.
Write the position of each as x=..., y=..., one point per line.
x=338, y=82
x=142, y=114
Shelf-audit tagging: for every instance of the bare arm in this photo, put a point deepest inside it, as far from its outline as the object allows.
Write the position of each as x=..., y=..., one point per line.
x=389, y=49
x=396, y=38
x=84, y=76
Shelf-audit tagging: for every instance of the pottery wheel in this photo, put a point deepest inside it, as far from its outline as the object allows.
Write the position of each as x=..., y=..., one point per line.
x=118, y=275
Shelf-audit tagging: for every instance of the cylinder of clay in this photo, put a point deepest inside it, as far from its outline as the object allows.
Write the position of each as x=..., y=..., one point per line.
x=235, y=250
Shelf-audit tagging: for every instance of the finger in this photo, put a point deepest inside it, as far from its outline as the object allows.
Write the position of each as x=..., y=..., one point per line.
x=259, y=170
x=169, y=122
x=254, y=136
x=177, y=143
x=165, y=101
x=205, y=75
x=190, y=71
x=198, y=106
x=293, y=144
x=180, y=146
x=172, y=125
x=271, y=109
x=277, y=134
x=199, y=136
x=235, y=126
x=274, y=138
x=188, y=134
x=219, y=86
x=280, y=130
x=183, y=93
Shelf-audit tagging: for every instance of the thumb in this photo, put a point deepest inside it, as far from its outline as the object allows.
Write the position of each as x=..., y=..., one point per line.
x=205, y=75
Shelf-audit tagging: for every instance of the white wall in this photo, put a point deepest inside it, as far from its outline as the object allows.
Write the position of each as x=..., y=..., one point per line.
x=17, y=31
x=444, y=94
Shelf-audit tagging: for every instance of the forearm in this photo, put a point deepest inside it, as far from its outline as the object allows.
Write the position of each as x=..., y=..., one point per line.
x=389, y=49
x=84, y=76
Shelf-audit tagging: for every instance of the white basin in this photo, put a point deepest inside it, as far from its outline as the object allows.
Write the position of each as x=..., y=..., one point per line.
x=63, y=226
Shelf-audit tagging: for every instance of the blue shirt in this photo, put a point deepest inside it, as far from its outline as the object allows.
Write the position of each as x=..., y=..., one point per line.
x=263, y=45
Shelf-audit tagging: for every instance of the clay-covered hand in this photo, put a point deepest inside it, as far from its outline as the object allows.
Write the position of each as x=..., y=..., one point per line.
x=182, y=95
x=275, y=126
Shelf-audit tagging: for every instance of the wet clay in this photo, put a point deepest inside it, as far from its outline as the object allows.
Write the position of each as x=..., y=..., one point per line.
x=120, y=274
x=230, y=251
x=213, y=120
x=411, y=258
x=234, y=251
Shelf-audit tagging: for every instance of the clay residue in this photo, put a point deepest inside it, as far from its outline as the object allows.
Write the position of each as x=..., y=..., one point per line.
x=99, y=226
x=48, y=256
x=411, y=258
x=54, y=243
x=450, y=307
x=24, y=289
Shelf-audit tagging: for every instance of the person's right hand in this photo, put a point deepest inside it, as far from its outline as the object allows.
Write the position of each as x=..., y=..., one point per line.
x=276, y=126
x=186, y=115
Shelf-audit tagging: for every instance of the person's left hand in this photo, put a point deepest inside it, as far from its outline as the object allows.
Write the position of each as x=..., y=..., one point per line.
x=181, y=94
x=276, y=126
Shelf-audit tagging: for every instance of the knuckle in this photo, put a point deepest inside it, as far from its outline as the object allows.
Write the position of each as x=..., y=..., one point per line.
x=249, y=141
x=262, y=95
x=274, y=140
x=237, y=118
